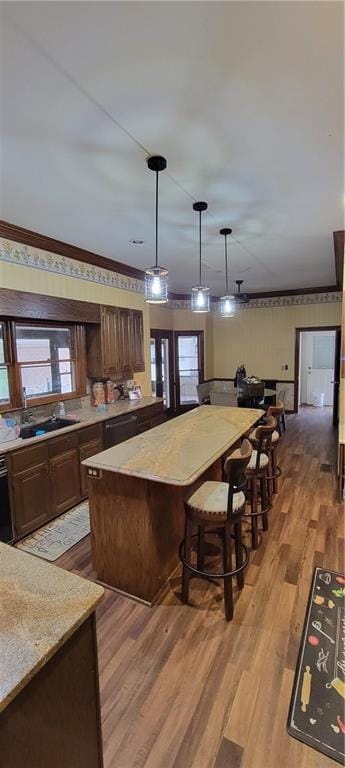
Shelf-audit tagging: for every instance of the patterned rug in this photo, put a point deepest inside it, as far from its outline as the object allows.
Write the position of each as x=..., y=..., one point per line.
x=57, y=537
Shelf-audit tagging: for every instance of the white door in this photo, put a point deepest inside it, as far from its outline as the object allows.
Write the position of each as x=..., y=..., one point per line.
x=317, y=365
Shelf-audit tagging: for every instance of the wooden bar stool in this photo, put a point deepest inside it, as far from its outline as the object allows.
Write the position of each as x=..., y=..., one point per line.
x=257, y=474
x=217, y=508
x=274, y=470
x=278, y=412
x=280, y=402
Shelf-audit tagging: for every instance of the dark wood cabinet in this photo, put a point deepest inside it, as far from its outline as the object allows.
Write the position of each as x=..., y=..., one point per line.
x=137, y=340
x=115, y=347
x=64, y=481
x=150, y=417
x=30, y=498
x=47, y=479
x=29, y=488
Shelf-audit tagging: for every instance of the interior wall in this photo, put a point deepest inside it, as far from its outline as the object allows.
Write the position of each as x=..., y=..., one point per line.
x=39, y=281
x=264, y=338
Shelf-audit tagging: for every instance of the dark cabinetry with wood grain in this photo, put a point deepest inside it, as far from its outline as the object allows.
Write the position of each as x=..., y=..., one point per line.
x=115, y=347
x=64, y=473
x=29, y=489
x=47, y=479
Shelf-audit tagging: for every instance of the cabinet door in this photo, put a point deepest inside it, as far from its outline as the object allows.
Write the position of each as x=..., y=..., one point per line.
x=125, y=335
x=109, y=342
x=30, y=498
x=64, y=481
x=85, y=451
x=137, y=340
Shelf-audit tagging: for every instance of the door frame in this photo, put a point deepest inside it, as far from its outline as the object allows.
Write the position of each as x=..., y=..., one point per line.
x=316, y=328
x=200, y=335
x=156, y=334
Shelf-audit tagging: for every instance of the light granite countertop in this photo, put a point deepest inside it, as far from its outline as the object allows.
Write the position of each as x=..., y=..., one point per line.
x=180, y=450
x=86, y=416
x=41, y=606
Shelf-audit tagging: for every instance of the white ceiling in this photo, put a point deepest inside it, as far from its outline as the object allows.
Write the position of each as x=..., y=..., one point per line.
x=245, y=99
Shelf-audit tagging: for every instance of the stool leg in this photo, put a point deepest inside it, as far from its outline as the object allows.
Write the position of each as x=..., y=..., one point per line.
x=284, y=422
x=274, y=469
x=239, y=553
x=187, y=555
x=254, y=508
x=269, y=483
x=227, y=565
x=201, y=548
x=264, y=503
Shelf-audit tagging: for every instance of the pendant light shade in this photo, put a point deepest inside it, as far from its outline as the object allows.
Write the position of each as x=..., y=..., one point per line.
x=200, y=297
x=226, y=302
x=156, y=277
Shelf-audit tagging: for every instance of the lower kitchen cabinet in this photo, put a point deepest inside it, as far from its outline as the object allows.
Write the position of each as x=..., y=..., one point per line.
x=47, y=479
x=30, y=498
x=64, y=481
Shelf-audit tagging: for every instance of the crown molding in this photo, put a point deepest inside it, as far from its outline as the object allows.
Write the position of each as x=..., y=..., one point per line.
x=45, y=243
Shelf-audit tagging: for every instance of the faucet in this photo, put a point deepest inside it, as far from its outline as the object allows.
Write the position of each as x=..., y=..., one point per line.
x=27, y=416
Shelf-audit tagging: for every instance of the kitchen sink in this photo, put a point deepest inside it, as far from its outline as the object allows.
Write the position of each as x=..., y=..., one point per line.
x=49, y=425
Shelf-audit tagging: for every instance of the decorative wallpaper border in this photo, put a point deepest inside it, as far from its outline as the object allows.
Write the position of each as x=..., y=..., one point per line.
x=334, y=297
x=27, y=256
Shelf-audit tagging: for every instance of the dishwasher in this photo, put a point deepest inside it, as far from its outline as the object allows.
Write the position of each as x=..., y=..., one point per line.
x=118, y=430
x=6, y=533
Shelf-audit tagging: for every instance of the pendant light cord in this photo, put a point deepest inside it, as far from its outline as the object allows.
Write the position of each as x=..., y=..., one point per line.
x=226, y=267
x=156, y=218
x=200, y=248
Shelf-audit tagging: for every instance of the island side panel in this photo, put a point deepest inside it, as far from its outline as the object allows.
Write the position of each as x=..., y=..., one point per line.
x=136, y=529
x=55, y=720
x=137, y=526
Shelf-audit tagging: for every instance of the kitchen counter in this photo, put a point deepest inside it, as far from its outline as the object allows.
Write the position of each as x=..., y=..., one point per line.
x=86, y=416
x=180, y=450
x=137, y=492
x=41, y=606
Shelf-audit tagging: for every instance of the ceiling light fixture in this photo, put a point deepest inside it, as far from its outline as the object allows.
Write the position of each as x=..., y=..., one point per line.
x=241, y=298
x=227, y=302
x=156, y=278
x=200, y=297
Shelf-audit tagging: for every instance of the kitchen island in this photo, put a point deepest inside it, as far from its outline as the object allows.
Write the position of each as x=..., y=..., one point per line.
x=137, y=490
x=49, y=699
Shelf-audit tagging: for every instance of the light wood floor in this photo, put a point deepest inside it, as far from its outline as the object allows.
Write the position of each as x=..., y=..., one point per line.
x=181, y=688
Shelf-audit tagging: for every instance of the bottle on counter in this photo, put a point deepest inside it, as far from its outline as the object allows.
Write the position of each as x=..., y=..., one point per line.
x=98, y=394
x=109, y=388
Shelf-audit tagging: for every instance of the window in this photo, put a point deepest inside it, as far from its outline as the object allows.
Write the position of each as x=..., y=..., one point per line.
x=4, y=365
x=46, y=360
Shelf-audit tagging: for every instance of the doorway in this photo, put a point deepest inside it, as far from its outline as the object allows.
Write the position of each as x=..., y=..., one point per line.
x=162, y=367
x=189, y=368
x=177, y=367
x=317, y=368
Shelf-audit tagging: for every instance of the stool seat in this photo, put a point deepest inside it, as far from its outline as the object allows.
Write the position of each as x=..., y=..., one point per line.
x=274, y=437
x=251, y=467
x=211, y=500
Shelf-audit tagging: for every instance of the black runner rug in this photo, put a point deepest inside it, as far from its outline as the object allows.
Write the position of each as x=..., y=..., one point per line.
x=317, y=708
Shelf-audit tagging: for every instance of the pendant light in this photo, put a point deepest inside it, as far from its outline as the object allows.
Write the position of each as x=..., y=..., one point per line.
x=156, y=278
x=200, y=298
x=227, y=302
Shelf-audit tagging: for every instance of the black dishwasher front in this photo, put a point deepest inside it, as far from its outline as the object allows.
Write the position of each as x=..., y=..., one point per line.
x=118, y=430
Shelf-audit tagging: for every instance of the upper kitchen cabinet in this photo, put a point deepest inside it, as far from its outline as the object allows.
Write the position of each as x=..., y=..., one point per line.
x=115, y=347
x=137, y=340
